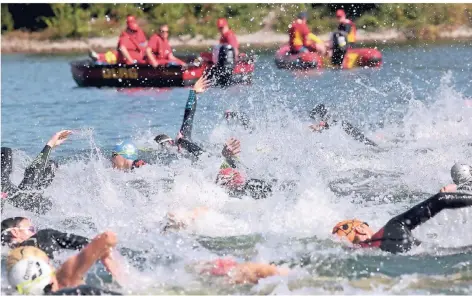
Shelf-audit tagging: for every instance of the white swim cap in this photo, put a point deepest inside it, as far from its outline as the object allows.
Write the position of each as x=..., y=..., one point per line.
x=461, y=173
x=30, y=275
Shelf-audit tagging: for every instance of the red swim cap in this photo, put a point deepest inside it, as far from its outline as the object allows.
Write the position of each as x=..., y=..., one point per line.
x=221, y=22
x=230, y=177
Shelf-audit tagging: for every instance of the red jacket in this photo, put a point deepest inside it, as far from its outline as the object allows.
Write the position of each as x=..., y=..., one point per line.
x=298, y=34
x=229, y=38
x=135, y=43
x=160, y=47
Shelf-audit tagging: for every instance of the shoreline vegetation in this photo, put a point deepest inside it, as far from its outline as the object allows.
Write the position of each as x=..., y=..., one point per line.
x=74, y=28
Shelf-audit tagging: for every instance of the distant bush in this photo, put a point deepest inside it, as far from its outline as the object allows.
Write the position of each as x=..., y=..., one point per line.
x=89, y=20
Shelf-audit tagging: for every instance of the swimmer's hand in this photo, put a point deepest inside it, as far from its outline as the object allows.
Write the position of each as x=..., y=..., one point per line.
x=449, y=188
x=58, y=138
x=202, y=84
x=232, y=148
x=318, y=127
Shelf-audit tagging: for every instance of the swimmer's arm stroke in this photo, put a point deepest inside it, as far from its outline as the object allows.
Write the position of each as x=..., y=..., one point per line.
x=36, y=168
x=200, y=86
x=69, y=240
x=75, y=268
x=427, y=209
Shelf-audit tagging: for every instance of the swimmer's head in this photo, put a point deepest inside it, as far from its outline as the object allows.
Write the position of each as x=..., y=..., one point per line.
x=29, y=271
x=164, y=140
x=7, y=162
x=319, y=113
x=353, y=230
x=16, y=230
x=230, y=178
x=461, y=173
x=126, y=149
x=123, y=155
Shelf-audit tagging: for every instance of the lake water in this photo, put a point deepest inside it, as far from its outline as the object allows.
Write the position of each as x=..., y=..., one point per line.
x=417, y=107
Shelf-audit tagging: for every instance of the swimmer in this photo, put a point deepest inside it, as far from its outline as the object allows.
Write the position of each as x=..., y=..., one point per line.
x=232, y=179
x=320, y=114
x=184, y=136
x=239, y=273
x=20, y=232
x=461, y=175
x=396, y=236
x=29, y=269
x=38, y=175
x=125, y=156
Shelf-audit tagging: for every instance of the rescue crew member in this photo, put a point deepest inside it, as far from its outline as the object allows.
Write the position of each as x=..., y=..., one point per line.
x=125, y=156
x=346, y=26
x=158, y=51
x=461, y=175
x=396, y=236
x=132, y=43
x=38, y=175
x=29, y=269
x=20, y=232
x=227, y=36
x=320, y=114
x=301, y=39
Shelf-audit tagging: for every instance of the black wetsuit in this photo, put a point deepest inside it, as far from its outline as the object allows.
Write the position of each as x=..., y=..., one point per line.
x=396, y=236
x=38, y=175
x=83, y=290
x=50, y=241
x=321, y=112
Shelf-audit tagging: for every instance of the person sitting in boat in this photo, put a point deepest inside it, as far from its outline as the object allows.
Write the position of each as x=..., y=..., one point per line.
x=320, y=114
x=131, y=47
x=301, y=39
x=159, y=52
x=132, y=43
x=227, y=36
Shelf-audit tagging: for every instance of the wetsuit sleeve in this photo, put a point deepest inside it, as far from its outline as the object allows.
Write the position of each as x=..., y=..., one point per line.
x=429, y=208
x=232, y=40
x=190, y=108
x=36, y=169
x=190, y=147
x=68, y=240
x=357, y=134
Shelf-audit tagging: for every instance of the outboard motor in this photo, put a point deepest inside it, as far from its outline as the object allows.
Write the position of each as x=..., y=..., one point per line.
x=224, y=61
x=339, y=48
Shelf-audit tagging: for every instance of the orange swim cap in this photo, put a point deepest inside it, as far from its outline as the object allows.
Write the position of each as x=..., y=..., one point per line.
x=345, y=228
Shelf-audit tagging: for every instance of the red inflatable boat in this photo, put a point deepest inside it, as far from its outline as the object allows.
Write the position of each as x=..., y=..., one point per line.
x=354, y=57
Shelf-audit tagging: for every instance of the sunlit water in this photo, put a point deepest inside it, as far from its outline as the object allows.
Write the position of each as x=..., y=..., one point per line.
x=416, y=108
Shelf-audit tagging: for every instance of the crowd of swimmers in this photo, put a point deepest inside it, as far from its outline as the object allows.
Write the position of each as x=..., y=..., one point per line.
x=30, y=269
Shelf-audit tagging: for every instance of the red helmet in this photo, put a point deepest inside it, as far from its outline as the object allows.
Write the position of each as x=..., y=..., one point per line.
x=221, y=22
x=230, y=177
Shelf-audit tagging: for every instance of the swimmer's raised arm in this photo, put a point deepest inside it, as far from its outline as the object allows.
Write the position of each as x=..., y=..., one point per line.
x=75, y=268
